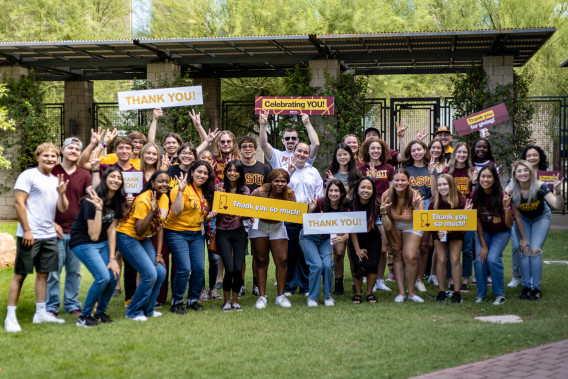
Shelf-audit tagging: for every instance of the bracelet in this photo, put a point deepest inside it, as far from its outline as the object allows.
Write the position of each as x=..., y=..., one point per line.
x=159, y=255
x=103, y=144
x=94, y=171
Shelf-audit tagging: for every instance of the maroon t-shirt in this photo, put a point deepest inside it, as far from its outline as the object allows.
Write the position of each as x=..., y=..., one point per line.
x=453, y=235
x=385, y=173
x=393, y=157
x=492, y=221
x=463, y=182
x=79, y=181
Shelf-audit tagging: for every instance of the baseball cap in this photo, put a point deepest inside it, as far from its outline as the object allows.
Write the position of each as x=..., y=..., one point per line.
x=372, y=129
x=71, y=140
x=443, y=129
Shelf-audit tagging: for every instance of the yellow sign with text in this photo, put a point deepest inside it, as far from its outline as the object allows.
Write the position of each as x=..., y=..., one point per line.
x=446, y=220
x=260, y=207
x=480, y=117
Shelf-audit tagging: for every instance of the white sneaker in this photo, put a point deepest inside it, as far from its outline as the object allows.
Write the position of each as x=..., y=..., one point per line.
x=275, y=283
x=312, y=303
x=138, y=318
x=381, y=285
x=157, y=314
x=329, y=302
x=11, y=325
x=433, y=280
x=307, y=294
x=260, y=302
x=416, y=298
x=287, y=294
x=283, y=301
x=364, y=279
x=515, y=282
x=399, y=299
x=47, y=317
x=420, y=286
x=499, y=300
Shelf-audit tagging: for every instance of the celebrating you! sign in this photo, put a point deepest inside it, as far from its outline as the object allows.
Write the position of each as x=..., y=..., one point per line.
x=294, y=105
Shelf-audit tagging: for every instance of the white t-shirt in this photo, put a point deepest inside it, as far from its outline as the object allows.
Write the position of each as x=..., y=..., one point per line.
x=281, y=159
x=306, y=183
x=41, y=203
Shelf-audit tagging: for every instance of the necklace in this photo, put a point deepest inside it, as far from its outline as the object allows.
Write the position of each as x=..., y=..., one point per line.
x=342, y=177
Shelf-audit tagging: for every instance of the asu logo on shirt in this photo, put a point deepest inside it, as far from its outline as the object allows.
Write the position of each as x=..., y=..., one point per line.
x=381, y=174
x=419, y=181
x=251, y=178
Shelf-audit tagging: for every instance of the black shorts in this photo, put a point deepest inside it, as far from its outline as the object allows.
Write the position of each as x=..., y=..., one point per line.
x=371, y=241
x=43, y=255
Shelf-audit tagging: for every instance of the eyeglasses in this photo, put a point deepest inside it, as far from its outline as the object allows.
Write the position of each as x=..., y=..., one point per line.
x=227, y=142
x=247, y=147
x=185, y=153
x=290, y=138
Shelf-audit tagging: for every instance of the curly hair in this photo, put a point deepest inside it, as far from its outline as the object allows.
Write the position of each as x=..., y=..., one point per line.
x=234, y=152
x=543, y=164
x=267, y=186
x=156, y=223
x=365, y=146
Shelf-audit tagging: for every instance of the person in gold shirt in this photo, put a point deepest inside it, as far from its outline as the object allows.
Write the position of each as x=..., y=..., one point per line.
x=146, y=218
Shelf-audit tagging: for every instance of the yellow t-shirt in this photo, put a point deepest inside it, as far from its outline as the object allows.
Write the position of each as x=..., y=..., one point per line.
x=140, y=209
x=191, y=218
x=112, y=159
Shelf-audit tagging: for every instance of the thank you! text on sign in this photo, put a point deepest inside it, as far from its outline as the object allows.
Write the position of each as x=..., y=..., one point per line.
x=335, y=222
x=261, y=207
x=446, y=220
x=294, y=105
x=133, y=181
x=160, y=98
x=481, y=120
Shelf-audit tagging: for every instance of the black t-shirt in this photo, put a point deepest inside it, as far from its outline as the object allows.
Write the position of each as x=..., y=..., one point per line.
x=255, y=175
x=80, y=228
x=536, y=207
x=175, y=171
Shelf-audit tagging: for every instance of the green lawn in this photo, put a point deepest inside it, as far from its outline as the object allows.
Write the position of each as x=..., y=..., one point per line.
x=386, y=339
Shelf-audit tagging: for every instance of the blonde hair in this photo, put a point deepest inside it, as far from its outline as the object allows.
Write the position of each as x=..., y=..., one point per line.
x=46, y=146
x=234, y=151
x=454, y=196
x=468, y=164
x=516, y=187
x=143, y=154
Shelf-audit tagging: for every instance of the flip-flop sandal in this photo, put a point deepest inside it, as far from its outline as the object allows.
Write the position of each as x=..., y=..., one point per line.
x=357, y=299
x=371, y=298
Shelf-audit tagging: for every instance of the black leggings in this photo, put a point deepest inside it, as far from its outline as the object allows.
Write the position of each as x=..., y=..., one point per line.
x=231, y=246
x=371, y=241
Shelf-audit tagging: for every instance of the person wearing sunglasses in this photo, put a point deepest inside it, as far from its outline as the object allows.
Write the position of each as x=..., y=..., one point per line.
x=281, y=159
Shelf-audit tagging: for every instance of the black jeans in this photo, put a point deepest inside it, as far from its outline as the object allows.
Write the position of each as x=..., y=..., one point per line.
x=231, y=246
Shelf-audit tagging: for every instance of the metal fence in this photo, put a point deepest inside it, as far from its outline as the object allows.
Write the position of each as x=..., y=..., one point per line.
x=55, y=114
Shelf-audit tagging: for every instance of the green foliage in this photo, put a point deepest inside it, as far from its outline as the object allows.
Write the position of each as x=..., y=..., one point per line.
x=6, y=125
x=471, y=94
x=24, y=100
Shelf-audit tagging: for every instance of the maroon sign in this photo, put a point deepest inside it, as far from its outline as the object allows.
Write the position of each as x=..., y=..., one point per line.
x=549, y=177
x=481, y=120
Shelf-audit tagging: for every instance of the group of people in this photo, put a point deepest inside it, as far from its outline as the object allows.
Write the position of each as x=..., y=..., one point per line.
x=72, y=208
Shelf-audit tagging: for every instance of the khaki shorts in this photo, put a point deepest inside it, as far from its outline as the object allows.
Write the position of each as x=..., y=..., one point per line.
x=43, y=255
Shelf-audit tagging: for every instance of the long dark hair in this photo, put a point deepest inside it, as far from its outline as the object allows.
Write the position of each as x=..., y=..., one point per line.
x=208, y=188
x=370, y=207
x=495, y=202
x=156, y=224
x=409, y=160
x=118, y=201
x=352, y=169
x=543, y=164
x=240, y=181
x=343, y=204
x=488, y=156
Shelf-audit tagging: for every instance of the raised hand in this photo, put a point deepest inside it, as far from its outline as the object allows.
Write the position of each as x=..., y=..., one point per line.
x=94, y=161
x=182, y=181
x=263, y=117
x=474, y=174
x=166, y=162
x=305, y=118
x=62, y=186
x=110, y=136
x=157, y=113
x=153, y=201
x=432, y=166
x=211, y=135
x=292, y=165
x=421, y=135
x=386, y=206
x=557, y=185
x=507, y=199
x=468, y=204
x=372, y=171
x=400, y=130
x=329, y=176
x=416, y=199
x=97, y=137
x=95, y=199
x=312, y=205
x=195, y=117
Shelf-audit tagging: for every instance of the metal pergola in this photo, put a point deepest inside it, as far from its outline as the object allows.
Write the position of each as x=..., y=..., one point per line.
x=264, y=56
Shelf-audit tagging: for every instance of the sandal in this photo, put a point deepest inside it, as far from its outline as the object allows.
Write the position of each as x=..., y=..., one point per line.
x=357, y=299
x=371, y=298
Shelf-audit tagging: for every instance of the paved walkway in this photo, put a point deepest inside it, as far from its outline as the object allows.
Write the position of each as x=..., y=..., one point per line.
x=547, y=361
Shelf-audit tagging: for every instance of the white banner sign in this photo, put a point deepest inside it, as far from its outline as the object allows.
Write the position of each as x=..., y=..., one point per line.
x=133, y=181
x=160, y=98
x=335, y=222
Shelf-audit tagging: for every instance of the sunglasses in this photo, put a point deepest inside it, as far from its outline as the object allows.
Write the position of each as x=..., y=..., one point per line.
x=290, y=138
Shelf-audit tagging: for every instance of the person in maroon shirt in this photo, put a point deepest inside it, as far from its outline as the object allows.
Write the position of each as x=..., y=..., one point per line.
x=79, y=180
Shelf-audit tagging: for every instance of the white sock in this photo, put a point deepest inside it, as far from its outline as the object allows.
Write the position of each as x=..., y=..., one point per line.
x=40, y=308
x=11, y=311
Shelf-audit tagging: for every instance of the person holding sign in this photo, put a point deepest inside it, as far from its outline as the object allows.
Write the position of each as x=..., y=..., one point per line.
x=146, y=218
x=318, y=248
x=398, y=204
x=494, y=223
x=447, y=196
x=533, y=200
x=184, y=232
x=272, y=235
x=231, y=237
x=93, y=240
x=364, y=248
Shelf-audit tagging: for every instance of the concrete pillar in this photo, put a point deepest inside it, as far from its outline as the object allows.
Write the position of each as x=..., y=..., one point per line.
x=499, y=70
x=319, y=67
x=8, y=177
x=161, y=73
x=79, y=96
x=211, y=100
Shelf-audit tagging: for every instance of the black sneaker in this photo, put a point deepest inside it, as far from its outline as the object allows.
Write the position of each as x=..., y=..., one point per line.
x=526, y=294
x=86, y=321
x=441, y=298
x=456, y=298
x=536, y=294
x=464, y=287
x=178, y=309
x=103, y=318
x=158, y=304
x=255, y=290
x=338, y=291
x=196, y=307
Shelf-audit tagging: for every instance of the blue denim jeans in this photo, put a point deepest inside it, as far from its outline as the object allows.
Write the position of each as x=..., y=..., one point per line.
x=516, y=254
x=536, y=231
x=72, y=266
x=95, y=257
x=319, y=257
x=496, y=243
x=142, y=256
x=188, y=251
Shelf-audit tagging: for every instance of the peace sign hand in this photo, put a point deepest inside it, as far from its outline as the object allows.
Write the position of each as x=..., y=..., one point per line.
x=468, y=204
x=95, y=199
x=62, y=186
x=400, y=130
x=292, y=165
x=182, y=181
x=312, y=205
x=94, y=161
x=432, y=166
x=166, y=162
x=263, y=117
x=153, y=201
x=372, y=171
x=386, y=205
x=416, y=199
x=329, y=176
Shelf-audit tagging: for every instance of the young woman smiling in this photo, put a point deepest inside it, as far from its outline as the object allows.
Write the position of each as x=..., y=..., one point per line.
x=150, y=161
x=533, y=200
x=184, y=232
x=272, y=235
x=232, y=237
x=146, y=218
x=436, y=151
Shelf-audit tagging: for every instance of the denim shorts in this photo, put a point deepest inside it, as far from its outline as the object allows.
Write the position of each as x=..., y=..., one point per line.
x=272, y=231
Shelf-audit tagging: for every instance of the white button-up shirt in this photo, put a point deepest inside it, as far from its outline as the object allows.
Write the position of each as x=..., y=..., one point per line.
x=306, y=183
